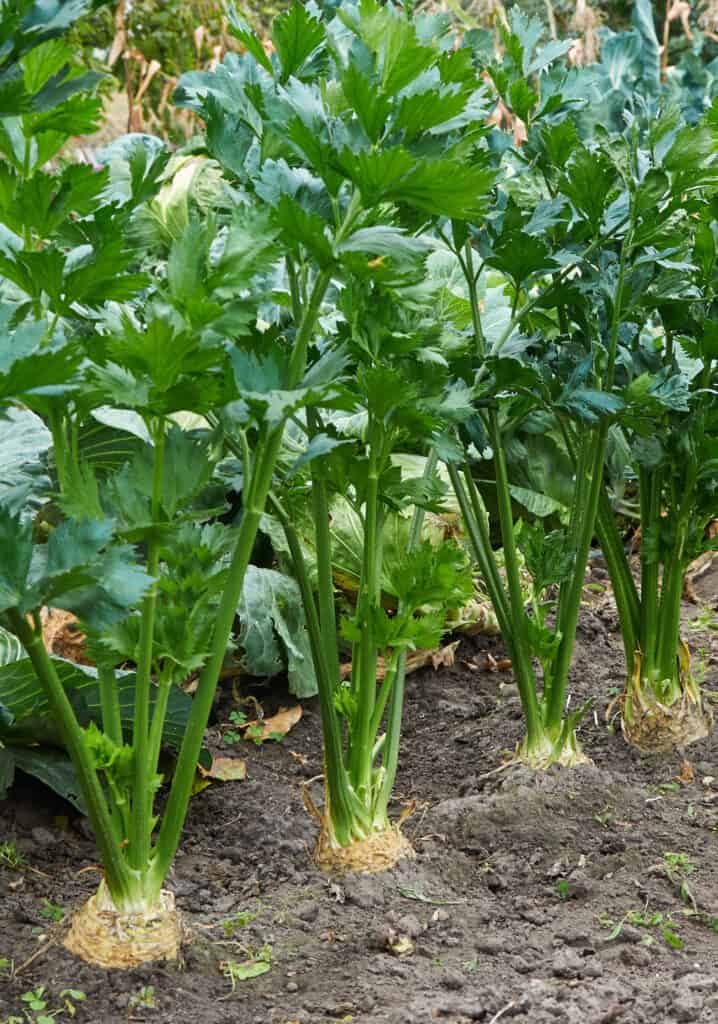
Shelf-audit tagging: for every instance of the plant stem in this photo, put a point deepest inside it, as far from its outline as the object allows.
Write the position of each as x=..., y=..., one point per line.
x=119, y=878
x=624, y=588
x=510, y=614
x=110, y=704
x=159, y=714
x=143, y=791
x=364, y=675
x=59, y=446
x=669, y=616
x=344, y=807
x=584, y=522
x=478, y=531
x=180, y=791
x=650, y=492
x=390, y=752
x=572, y=607
x=521, y=648
x=325, y=577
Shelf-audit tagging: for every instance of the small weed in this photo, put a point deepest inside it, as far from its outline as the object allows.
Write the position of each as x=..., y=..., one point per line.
x=563, y=889
x=7, y=967
x=605, y=816
x=645, y=919
x=471, y=966
x=10, y=857
x=144, y=999
x=51, y=911
x=70, y=997
x=664, y=788
x=679, y=867
x=679, y=862
x=705, y=620
x=258, y=961
x=238, y=719
x=36, y=1006
x=238, y=921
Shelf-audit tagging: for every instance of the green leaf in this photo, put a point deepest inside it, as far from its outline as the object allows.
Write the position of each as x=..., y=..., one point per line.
x=588, y=404
x=522, y=99
x=249, y=39
x=296, y=35
x=10, y=648
x=25, y=716
x=520, y=256
x=537, y=504
x=650, y=47
x=249, y=969
x=53, y=768
x=544, y=643
x=392, y=38
x=25, y=439
x=588, y=183
x=15, y=558
x=445, y=187
x=272, y=631
x=382, y=240
x=547, y=556
x=371, y=105
x=301, y=228
x=43, y=62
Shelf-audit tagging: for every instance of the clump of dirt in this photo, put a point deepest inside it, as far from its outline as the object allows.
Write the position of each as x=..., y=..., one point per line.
x=587, y=895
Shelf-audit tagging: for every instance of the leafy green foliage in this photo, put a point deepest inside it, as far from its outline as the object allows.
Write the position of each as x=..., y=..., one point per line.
x=272, y=632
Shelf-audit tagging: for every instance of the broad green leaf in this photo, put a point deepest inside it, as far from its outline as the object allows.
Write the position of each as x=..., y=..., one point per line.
x=25, y=715
x=272, y=630
x=15, y=558
x=10, y=648
x=384, y=241
x=643, y=22
x=24, y=441
x=50, y=766
x=536, y=503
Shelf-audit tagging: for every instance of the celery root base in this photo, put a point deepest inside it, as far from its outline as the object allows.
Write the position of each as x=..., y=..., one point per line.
x=378, y=852
x=106, y=937
x=654, y=728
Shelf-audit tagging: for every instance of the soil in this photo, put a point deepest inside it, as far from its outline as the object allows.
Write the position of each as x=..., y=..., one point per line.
x=532, y=898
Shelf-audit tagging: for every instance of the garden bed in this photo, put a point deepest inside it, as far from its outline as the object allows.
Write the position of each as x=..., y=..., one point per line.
x=509, y=911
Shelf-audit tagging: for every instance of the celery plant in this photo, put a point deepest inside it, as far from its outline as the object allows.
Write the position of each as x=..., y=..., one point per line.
x=581, y=243
x=356, y=134
x=168, y=607
x=670, y=425
x=361, y=723
x=151, y=580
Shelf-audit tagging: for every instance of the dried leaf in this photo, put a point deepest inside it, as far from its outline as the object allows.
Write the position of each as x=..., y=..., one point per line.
x=225, y=769
x=62, y=637
x=275, y=727
x=443, y=658
x=686, y=774
x=400, y=945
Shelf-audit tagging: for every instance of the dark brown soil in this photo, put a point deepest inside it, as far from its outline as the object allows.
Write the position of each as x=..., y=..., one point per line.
x=511, y=906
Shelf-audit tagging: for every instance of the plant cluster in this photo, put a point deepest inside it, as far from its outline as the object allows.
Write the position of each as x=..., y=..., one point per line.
x=419, y=274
